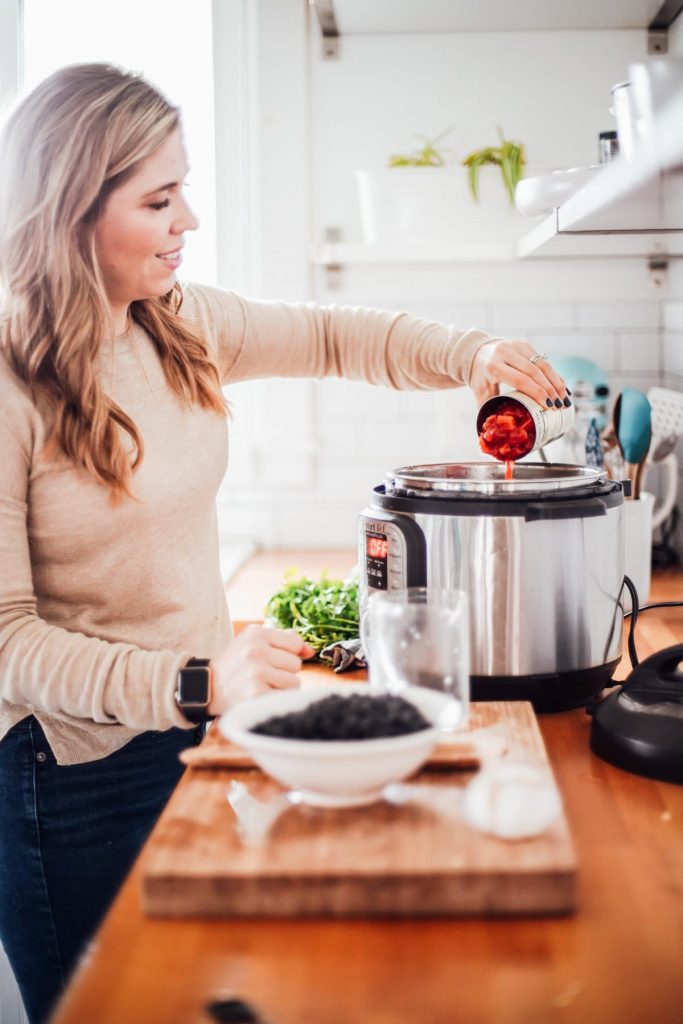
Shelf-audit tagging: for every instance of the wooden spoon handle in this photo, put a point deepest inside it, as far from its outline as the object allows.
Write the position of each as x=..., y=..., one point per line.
x=637, y=483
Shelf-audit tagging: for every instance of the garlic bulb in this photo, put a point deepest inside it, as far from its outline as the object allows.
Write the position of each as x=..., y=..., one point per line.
x=511, y=801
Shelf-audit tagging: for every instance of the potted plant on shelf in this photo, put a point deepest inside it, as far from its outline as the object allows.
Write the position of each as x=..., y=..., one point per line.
x=427, y=156
x=419, y=200
x=509, y=156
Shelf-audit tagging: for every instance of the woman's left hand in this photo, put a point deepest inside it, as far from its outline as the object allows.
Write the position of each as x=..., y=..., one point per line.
x=510, y=362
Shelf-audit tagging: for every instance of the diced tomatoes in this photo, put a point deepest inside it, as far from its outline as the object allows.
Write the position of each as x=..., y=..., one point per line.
x=508, y=434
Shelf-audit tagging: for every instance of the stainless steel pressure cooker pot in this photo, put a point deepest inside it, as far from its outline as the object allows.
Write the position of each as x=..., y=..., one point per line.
x=541, y=557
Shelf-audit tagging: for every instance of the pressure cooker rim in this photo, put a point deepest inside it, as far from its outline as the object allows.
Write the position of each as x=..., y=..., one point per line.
x=450, y=478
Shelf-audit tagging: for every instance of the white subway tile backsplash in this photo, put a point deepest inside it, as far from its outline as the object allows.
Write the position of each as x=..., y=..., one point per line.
x=297, y=525
x=402, y=444
x=283, y=408
x=673, y=316
x=640, y=381
x=623, y=315
x=285, y=469
x=639, y=352
x=675, y=382
x=599, y=348
x=403, y=285
x=246, y=515
x=460, y=314
x=423, y=406
x=350, y=481
x=510, y=318
x=339, y=440
x=673, y=353
x=241, y=461
x=341, y=400
x=460, y=446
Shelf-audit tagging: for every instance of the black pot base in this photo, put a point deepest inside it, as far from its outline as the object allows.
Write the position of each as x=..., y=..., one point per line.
x=558, y=691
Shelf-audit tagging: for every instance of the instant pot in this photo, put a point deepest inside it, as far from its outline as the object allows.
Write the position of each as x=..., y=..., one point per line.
x=540, y=556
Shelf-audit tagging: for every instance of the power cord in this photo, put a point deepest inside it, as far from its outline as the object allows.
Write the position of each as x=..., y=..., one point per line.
x=635, y=612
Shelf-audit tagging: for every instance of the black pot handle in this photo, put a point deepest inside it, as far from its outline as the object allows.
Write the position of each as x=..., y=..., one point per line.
x=578, y=509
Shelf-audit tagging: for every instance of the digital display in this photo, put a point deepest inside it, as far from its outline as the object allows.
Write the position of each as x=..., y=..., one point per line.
x=377, y=546
x=376, y=560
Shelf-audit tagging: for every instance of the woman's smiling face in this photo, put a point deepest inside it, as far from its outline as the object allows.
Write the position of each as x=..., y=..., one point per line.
x=139, y=235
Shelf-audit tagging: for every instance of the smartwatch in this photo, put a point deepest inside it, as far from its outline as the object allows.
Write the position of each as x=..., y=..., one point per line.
x=193, y=690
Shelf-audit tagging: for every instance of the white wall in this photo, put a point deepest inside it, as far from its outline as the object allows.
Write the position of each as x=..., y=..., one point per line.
x=676, y=37
x=552, y=90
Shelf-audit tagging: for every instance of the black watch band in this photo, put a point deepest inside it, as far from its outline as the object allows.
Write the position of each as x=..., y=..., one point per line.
x=193, y=690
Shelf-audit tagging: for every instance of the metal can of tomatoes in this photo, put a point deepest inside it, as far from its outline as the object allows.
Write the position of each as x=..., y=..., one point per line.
x=513, y=425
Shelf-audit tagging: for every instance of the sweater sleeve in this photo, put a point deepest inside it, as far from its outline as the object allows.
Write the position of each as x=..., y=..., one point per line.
x=278, y=339
x=47, y=668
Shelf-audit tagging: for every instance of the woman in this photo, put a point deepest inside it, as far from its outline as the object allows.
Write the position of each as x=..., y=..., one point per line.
x=112, y=446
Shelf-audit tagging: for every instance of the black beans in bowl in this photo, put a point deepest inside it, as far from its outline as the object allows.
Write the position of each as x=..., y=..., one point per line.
x=356, y=717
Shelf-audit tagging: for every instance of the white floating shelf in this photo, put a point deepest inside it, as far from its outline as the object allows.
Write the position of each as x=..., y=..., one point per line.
x=629, y=209
x=547, y=241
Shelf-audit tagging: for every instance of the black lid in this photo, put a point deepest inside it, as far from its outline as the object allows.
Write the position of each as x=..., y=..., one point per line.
x=640, y=726
x=608, y=135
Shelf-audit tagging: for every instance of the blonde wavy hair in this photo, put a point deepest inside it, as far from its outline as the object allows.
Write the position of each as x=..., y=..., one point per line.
x=76, y=138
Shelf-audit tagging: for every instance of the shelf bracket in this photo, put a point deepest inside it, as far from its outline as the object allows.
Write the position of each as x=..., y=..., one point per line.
x=658, y=267
x=333, y=269
x=657, y=41
x=328, y=27
x=658, y=29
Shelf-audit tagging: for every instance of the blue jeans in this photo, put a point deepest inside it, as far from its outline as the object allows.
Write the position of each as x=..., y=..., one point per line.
x=68, y=837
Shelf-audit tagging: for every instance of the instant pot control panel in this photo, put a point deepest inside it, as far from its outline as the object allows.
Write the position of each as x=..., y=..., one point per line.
x=392, y=552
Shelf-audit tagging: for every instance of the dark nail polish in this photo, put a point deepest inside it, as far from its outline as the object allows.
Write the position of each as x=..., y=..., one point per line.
x=549, y=402
x=567, y=403
x=558, y=403
x=568, y=391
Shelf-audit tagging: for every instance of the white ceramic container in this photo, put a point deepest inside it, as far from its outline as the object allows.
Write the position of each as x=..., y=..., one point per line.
x=638, y=542
x=539, y=196
x=421, y=205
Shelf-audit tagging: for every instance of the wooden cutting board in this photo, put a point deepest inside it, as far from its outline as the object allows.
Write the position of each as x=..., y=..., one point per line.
x=416, y=859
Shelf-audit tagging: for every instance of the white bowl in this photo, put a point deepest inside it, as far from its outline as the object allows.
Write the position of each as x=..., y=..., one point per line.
x=333, y=773
x=536, y=197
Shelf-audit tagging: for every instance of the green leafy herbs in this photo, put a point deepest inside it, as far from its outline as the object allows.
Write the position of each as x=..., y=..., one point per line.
x=428, y=156
x=509, y=156
x=322, y=612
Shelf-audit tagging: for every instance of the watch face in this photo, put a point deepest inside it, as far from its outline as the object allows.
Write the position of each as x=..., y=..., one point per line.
x=194, y=686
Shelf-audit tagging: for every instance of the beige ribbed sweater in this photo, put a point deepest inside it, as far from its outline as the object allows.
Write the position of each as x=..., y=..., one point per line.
x=100, y=606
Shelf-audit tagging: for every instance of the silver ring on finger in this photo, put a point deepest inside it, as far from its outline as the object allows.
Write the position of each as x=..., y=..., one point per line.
x=538, y=357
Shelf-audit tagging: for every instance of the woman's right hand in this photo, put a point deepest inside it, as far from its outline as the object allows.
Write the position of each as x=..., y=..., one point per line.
x=257, y=660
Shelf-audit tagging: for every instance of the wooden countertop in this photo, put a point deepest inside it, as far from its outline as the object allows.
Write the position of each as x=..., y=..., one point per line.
x=616, y=961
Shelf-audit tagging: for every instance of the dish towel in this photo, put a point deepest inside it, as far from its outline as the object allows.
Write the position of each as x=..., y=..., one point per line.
x=344, y=655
